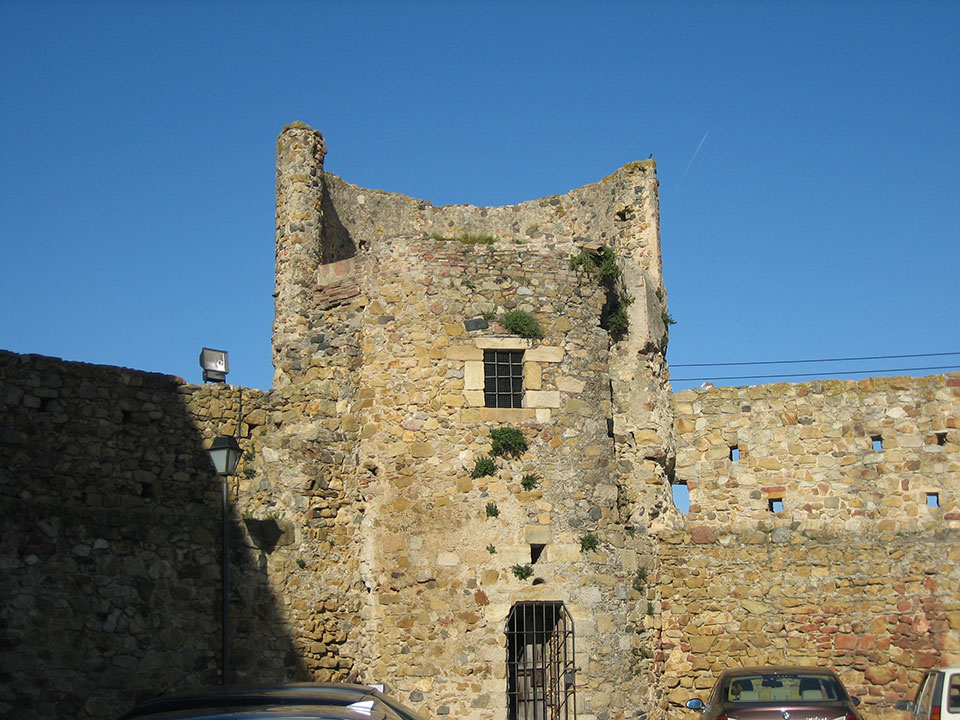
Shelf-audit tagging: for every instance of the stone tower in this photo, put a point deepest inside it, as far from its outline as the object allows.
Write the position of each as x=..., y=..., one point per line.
x=390, y=334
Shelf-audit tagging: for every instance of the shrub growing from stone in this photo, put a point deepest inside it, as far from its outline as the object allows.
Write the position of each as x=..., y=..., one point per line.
x=483, y=466
x=507, y=441
x=521, y=323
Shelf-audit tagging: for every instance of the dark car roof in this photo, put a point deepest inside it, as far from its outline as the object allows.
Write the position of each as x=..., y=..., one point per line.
x=269, y=712
x=261, y=697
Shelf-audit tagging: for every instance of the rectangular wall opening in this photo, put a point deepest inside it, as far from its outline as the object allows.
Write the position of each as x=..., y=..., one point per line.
x=941, y=438
x=541, y=672
x=735, y=453
x=775, y=505
x=681, y=496
x=877, y=442
x=536, y=550
x=933, y=500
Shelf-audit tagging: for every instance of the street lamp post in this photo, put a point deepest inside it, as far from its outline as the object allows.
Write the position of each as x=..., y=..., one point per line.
x=225, y=454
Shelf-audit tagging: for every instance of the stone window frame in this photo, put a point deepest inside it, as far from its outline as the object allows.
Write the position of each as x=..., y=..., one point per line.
x=538, y=404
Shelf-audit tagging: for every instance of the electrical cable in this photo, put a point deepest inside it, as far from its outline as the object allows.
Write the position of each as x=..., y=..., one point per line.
x=885, y=371
x=790, y=362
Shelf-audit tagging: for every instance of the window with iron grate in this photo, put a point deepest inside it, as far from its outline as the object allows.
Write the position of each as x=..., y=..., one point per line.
x=503, y=378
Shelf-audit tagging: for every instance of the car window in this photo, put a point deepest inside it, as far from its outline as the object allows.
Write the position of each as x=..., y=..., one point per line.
x=953, y=698
x=782, y=687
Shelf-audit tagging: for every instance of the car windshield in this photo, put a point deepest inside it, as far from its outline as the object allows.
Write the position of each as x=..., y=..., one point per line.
x=781, y=687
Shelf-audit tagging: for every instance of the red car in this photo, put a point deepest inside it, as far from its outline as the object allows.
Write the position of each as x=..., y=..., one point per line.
x=777, y=693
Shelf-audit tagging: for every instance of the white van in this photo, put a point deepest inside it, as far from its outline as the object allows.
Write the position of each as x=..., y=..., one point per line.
x=938, y=697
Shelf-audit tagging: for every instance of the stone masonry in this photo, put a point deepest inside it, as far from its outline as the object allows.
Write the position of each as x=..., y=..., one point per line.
x=828, y=511
x=387, y=279
x=364, y=546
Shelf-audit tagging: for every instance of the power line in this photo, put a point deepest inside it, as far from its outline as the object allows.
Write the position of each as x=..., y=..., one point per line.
x=822, y=360
x=819, y=374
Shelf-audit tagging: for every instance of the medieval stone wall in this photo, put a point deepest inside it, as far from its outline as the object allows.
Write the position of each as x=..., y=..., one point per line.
x=111, y=541
x=442, y=545
x=854, y=455
x=878, y=608
x=812, y=537
x=322, y=220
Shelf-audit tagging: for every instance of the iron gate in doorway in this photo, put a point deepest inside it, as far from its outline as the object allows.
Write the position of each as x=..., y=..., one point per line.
x=541, y=674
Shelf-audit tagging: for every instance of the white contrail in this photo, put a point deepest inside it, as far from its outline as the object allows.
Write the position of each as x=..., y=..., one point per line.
x=695, y=153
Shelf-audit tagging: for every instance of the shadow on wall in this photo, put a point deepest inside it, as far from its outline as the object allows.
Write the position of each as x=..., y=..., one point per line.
x=110, y=547
x=337, y=243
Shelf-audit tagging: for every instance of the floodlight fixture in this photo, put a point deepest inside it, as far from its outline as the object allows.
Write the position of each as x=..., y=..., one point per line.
x=215, y=364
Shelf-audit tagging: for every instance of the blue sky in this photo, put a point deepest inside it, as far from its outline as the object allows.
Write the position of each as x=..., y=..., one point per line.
x=808, y=154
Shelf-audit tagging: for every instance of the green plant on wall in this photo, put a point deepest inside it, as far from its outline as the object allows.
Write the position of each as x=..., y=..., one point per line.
x=602, y=267
x=521, y=323
x=468, y=238
x=492, y=549
x=492, y=510
x=617, y=321
x=484, y=466
x=601, y=264
x=530, y=481
x=640, y=580
x=522, y=571
x=507, y=442
x=589, y=542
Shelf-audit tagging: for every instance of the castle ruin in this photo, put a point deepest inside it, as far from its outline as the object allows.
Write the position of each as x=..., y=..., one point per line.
x=478, y=517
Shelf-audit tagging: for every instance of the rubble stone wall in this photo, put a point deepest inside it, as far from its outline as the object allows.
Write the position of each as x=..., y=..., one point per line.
x=443, y=545
x=831, y=536
x=322, y=219
x=879, y=608
x=110, y=547
x=875, y=454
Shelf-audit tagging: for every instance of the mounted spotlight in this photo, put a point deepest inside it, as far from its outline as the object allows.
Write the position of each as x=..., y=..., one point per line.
x=215, y=364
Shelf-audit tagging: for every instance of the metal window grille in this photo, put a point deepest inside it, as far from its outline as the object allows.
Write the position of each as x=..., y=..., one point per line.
x=541, y=675
x=503, y=378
